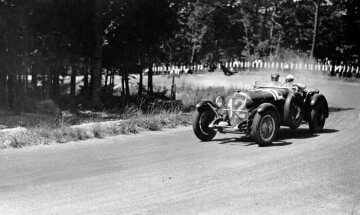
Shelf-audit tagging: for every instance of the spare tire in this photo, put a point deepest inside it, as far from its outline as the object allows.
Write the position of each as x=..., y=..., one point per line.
x=293, y=110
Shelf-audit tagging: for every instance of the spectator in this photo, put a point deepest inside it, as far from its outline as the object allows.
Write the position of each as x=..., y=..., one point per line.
x=226, y=71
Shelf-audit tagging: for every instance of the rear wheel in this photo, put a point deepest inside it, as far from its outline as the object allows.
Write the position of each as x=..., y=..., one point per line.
x=317, y=117
x=265, y=127
x=293, y=114
x=201, y=122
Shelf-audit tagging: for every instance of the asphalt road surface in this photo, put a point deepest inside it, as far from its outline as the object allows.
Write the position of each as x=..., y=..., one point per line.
x=171, y=172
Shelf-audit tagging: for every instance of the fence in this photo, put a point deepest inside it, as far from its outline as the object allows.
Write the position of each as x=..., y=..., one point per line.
x=323, y=68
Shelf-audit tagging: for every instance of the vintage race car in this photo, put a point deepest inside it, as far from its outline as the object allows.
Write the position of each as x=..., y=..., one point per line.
x=260, y=112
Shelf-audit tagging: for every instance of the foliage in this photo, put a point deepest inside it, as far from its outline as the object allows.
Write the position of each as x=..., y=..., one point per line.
x=50, y=40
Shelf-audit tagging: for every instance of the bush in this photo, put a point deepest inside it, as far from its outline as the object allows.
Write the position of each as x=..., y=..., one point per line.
x=83, y=134
x=28, y=138
x=65, y=134
x=47, y=107
x=99, y=131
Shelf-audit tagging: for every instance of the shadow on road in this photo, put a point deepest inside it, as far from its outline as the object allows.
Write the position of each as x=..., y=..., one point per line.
x=338, y=109
x=300, y=133
x=281, y=140
x=328, y=131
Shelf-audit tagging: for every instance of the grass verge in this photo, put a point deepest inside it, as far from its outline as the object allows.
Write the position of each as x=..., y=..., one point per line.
x=47, y=135
x=37, y=129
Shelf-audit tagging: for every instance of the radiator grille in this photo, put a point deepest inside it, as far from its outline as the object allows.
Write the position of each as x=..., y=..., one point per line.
x=236, y=108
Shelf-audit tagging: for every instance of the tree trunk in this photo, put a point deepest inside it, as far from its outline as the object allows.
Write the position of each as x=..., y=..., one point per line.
x=316, y=20
x=193, y=50
x=246, y=29
x=106, y=80
x=17, y=89
x=20, y=93
x=11, y=91
x=271, y=35
x=278, y=46
x=56, y=84
x=112, y=81
x=73, y=82
x=140, y=80
x=3, y=90
x=98, y=49
x=127, y=88
x=150, y=80
x=48, y=83
x=86, y=80
x=26, y=81
x=123, y=84
x=43, y=81
x=34, y=81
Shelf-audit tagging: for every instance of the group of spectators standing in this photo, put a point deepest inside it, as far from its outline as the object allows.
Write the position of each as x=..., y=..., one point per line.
x=325, y=67
x=345, y=71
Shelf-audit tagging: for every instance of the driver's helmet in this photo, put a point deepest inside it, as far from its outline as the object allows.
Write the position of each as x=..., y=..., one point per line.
x=289, y=78
x=275, y=77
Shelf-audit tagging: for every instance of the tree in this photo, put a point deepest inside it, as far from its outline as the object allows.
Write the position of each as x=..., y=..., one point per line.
x=148, y=24
x=317, y=4
x=98, y=38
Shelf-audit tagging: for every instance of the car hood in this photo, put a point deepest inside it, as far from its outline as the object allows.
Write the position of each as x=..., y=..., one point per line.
x=259, y=95
x=267, y=94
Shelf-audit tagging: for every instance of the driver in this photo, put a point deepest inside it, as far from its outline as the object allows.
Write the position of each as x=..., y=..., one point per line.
x=274, y=81
x=275, y=77
x=289, y=82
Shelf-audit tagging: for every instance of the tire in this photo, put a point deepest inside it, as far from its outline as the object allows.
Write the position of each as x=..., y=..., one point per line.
x=317, y=117
x=293, y=110
x=265, y=127
x=201, y=121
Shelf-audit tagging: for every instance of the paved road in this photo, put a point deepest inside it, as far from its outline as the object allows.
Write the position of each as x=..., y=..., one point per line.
x=171, y=172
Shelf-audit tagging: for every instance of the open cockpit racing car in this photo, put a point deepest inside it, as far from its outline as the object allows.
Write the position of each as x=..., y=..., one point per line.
x=260, y=112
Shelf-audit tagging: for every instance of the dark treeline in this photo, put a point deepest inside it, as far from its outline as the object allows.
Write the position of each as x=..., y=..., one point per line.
x=44, y=40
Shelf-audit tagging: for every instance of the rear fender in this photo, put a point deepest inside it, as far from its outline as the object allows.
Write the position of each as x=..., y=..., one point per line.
x=317, y=97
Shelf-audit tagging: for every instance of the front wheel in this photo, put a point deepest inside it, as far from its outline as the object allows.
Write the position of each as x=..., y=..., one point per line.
x=265, y=127
x=201, y=122
x=317, y=117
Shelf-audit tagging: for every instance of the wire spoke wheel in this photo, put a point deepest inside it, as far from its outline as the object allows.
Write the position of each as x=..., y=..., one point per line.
x=267, y=128
x=264, y=127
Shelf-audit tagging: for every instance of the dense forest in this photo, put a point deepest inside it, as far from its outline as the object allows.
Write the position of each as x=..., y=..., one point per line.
x=42, y=41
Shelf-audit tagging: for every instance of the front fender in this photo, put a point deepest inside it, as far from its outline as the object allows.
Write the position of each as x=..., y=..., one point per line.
x=317, y=97
x=266, y=106
x=206, y=104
